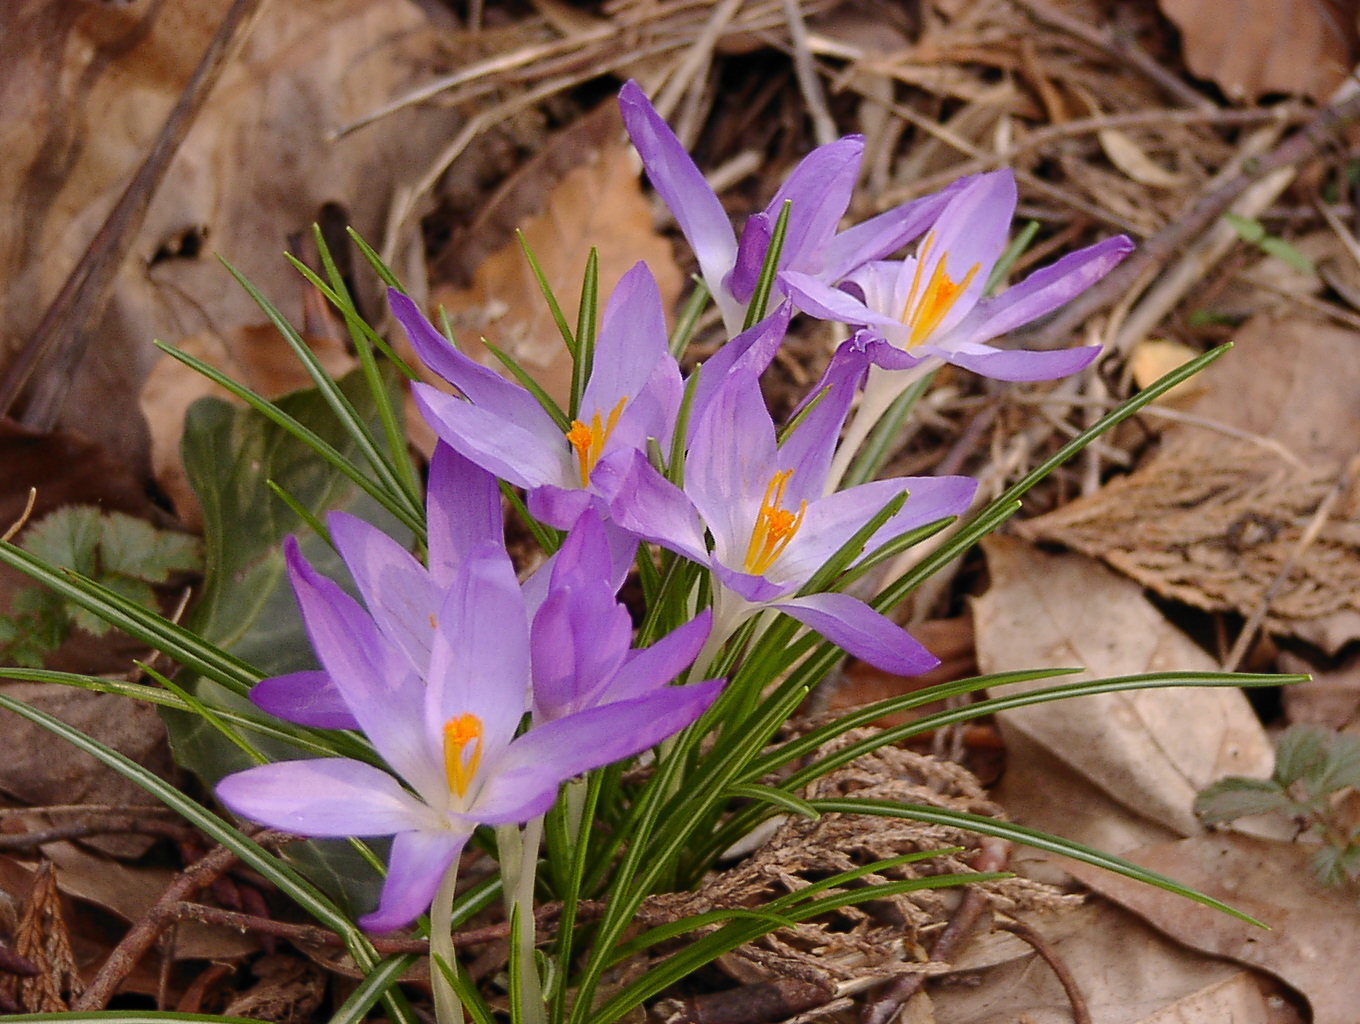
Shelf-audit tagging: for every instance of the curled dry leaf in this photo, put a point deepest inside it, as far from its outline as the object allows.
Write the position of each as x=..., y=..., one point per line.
x=1214, y=517
x=1150, y=751
x=1129, y=157
x=86, y=88
x=1311, y=942
x=1254, y=47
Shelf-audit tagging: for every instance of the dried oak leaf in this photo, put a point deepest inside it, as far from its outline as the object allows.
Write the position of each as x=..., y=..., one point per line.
x=1254, y=47
x=1213, y=517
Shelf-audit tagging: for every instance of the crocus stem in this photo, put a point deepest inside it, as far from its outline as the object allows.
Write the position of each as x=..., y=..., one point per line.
x=447, y=1008
x=519, y=866
x=880, y=391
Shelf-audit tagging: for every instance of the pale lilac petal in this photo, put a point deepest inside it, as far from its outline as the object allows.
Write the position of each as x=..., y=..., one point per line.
x=559, y=506
x=484, y=387
x=325, y=797
x=1042, y=292
x=883, y=235
x=632, y=340
x=827, y=303
x=856, y=628
x=498, y=445
x=679, y=182
x=972, y=232
x=809, y=449
x=527, y=777
x=828, y=523
x=579, y=639
x=463, y=509
x=418, y=864
x=651, y=412
x=819, y=189
x=752, y=351
x=398, y=591
x=1019, y=365
x=731, y=461
x=307, y=698
x=646, y=504
x=661, y=663
x=375, y=679
x=584, y=555
x=479, y=663
x=752, y=589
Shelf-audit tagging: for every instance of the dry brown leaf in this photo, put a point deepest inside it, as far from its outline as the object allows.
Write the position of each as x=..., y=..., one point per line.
x=1254, y=47
x=42, y=938
x=1213, y=517
x=1153, y=358
x=1126, y=972
x=86, y=88
x=1331, y=699
x=598, y=204
x=1311, y=945
x=256, y=356
x=1149, y=750
x=1129, y=157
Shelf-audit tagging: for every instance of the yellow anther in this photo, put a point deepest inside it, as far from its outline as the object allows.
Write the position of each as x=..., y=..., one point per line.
x=460, y=763
x=589, y=441
x=941, y=292
x=774, y=527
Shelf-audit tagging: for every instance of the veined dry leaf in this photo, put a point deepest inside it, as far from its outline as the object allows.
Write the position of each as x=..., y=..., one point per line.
x=1311, y=943
x=86, y=88
x=42, y=938
x=598, y=204
x=1150, y=751
x=1129, y=157
x=1214, y=517
x=1254, y=47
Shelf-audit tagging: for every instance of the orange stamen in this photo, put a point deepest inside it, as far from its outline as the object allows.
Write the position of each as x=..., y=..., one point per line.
x=459, y=733
x=941, y=292
x=589, y=441
x=774, y=528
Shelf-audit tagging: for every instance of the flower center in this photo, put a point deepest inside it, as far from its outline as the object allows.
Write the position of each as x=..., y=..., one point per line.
x=938, y=298
x=462, y=751
x=589, y=440
x=775, y=526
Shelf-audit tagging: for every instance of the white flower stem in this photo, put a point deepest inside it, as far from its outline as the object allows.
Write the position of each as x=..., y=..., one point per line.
x=447, y=1008
x=519, y=867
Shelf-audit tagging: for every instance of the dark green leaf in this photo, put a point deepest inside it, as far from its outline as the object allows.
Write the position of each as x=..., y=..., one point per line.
x=1301, y=751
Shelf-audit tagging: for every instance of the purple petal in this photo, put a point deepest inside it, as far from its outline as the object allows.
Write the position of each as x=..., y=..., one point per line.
x=579, y=639
x=631, y=342
x=679, y=182
x=479, y=663
x=1042, y=292
x=463, y=508
x=307, y=698
x=485, y=388
x=752, y=351
x=374, y=677
x=662, y=662
x=1018, y=365
x=527, y=777
x=827, y=303
x=559, y=506
x=328, y=797
x=646, y=504
x=419, y=861
x=752, y=589
x=498, y=445
x=398, y=591
x=730, y=464
x=809, y=449
x=883, y=235
x=856, y=628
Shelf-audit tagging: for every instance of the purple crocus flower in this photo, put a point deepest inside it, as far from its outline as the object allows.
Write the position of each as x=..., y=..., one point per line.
x=819, y=189
x=450, y=737
x=581, y=638
x=463, y=510
x=633, y=393
x=771, y=527
x=930, y=306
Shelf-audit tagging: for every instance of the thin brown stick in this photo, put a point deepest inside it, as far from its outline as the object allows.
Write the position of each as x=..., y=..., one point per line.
x=1303, y=145
x=1041, y=945
x=992, y=855
x=23, y=841
x=62, y=335
x=142, y=935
